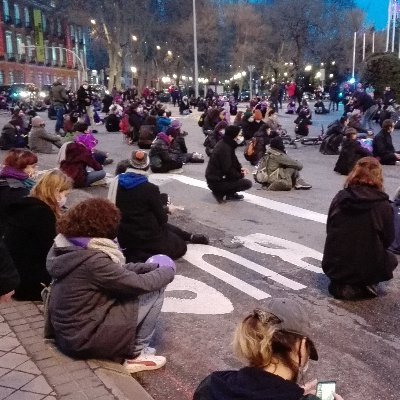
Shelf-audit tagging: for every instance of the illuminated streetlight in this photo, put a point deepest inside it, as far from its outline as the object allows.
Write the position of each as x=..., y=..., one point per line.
x=285, y=74
x=183, y=77
x=134, y=38
x=308, y=68
x=93, y=21
x=244, y=73
x=169, y=52
x=318, y=74
x=174, y=76
x=133, y=70
x=333, y=62
x=322, y=64
x=158, y=47
x=331, y=76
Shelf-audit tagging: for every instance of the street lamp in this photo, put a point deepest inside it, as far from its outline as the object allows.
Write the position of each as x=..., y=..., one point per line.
x=244, y=73
x=251, y=68
x=196, y=64
x=158, y=47
x=169, y=52
x=133, y=70
x=308, y=68
x=134, y=38
x=93, y=21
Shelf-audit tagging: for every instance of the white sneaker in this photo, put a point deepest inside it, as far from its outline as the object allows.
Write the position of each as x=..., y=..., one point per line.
x=145, y=362
x=176, y=171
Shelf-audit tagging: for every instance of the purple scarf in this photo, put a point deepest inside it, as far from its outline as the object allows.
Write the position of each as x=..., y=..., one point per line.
x=13, y=173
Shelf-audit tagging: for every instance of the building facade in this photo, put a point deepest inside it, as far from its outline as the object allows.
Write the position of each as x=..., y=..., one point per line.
x=37, y=46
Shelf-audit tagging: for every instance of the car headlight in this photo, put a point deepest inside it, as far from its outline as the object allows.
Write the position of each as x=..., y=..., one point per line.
x=42, y=94
x=24, y=94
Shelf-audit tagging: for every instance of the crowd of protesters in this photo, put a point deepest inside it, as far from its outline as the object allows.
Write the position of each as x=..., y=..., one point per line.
x=122, y=282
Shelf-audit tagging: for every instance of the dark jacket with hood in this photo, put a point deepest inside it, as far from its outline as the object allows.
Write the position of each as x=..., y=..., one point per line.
x=94, y=301
x=159, y=151
x=10, y=137
x=248, y=384
x=359, y=231
x=383, y=148
x=29, y=235
x=350, y=153
x=9, y=278
x=223, y=163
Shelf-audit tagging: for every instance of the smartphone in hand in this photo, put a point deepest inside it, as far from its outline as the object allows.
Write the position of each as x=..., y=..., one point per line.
x=326, y=389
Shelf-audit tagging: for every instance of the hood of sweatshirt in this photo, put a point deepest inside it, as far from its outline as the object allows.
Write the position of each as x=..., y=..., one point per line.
x=131, y=180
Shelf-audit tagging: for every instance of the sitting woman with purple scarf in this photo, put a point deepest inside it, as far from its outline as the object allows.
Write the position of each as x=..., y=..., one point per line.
x=19, y=167
x=161, y=159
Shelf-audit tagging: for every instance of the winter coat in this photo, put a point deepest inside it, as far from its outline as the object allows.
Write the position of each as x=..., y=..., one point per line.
x=162, y=124
x=249, y=383
x=58, y=95
x=350, y=153
x=29, y=235
x=9, y=278
x=395, y=246
x=223, y=163
x=159, y=151
x=359, y=231
x=262, y=141
x=41, y=142
x=383, y=148
x=10, y=137
x=112, y=123
x=135, y=121
x=178, y=150
x=280, y=167
x=77, y=159
x=84, y=97
x=11, y=190
x=94, y=301
x=211, y=140
x=146, y=136
x=249, y=128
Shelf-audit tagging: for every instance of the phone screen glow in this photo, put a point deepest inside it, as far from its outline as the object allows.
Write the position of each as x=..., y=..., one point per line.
x=325, y=390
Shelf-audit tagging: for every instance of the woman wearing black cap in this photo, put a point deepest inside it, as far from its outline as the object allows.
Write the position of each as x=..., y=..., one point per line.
x=224, y=173
x=276, y=346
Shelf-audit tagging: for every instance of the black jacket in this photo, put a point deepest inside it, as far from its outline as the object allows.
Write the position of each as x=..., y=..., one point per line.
x=359, y=230
x=143, y=214
x=350, y=153
x=223, y=163
x=249, y=383
x=84, y=97
x=10, y=137
x=9, y=278
x=29, y=235
x=383, y=148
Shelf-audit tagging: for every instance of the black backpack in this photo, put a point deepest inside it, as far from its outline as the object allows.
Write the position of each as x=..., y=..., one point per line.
x=201, y=119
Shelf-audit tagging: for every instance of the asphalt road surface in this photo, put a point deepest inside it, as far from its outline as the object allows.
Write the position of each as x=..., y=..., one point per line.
x=269, y=245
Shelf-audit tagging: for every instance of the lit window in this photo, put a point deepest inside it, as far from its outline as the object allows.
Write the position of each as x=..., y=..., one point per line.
x=6, y=9
x=27, y=16
x=61, y=50
x=11, y=77
x=9, y=44
x=20, y=45
x=44, y=23
x=54, y=54
x=16, y=14
x=28, y=45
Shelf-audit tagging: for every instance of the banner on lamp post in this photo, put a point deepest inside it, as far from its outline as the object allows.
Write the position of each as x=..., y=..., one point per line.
x=38, y=30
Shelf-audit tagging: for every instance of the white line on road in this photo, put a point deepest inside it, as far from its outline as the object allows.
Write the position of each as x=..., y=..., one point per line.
x=250, y=198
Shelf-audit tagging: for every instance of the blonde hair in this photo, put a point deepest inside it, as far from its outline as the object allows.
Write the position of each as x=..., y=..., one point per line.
x=259, y=342
x=49, y=185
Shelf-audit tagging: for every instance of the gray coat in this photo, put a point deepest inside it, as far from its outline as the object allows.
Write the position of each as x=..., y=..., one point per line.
x=94, y=301
x=41, y=142
x=58, y=95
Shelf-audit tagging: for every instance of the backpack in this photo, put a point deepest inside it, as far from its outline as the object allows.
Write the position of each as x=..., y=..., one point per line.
x=261, y=174
x=250, y=149
x=124, y=124
x=201, y=119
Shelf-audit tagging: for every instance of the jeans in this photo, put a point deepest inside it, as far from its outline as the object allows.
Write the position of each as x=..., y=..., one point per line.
x=150, y=305
x=59, y=109
x=229, y=188
x=94, y=176
x=368, y=114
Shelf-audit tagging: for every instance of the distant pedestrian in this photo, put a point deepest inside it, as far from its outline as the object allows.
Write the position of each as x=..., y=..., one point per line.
x=58, y=98
x=360, y=230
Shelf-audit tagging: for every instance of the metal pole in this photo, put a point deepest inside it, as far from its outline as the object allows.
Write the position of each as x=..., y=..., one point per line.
x=388, y=25
x=196, y=66
x=354, y=55
x=251, y=82
x=373, y=42
x=394, y=16
x=363, y=56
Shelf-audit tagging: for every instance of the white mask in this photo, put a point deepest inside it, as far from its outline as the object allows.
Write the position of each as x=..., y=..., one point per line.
x=239, y=139
x=85, y=86
x=140, y=110
x=62, y=201
x=222, y=131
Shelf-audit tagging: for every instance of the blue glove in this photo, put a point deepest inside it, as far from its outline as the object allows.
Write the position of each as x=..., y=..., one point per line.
x=163, y=261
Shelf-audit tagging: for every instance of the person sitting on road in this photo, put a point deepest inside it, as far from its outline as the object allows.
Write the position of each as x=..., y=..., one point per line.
x=383, y=146
x=272, y=120
x=100, y=306
x=31, y=229
x=41, y=141
x=224, y=173
x=276, y=345
x=178, y=148
x=251, y=123
x=261, y=140
x=360, y=229
x=319, y=107
x=144, y=228
x=334, y=136
x=16, y=179
x=113, y=119
x=163, y=122
x=281, y=171
x=211, y=120
x=214, y=137
x=12, y=136
x=147, y=132
x=75, y=160
x=355, y=122
x=161, y=159
x=350, y=153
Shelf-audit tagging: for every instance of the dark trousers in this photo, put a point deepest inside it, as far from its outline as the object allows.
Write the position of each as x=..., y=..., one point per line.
x=167, y=166
x=228, y=188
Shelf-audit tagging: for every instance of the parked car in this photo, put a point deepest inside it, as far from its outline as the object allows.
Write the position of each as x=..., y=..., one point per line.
x=244, y=96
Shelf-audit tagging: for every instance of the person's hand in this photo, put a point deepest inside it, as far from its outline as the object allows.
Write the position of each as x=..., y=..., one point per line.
x=163, y=261
x=172, y=208
x=5, y=298
x=244, y=171
x=310, y=387
x=337, y=396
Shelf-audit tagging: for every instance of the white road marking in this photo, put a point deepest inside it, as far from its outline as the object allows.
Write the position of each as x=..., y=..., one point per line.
x=250, y=198
x=195, y=255
x=288, y=251
x=208, y=301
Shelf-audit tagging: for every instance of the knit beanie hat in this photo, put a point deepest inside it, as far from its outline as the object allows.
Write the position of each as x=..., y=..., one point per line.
x=277, y=144
x=232, y=131
x=257, y=115
x=36, y=122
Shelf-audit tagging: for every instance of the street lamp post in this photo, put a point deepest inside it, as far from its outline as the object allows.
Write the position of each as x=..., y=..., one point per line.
x=251, y=69
x=196, y=66
x=354, y=55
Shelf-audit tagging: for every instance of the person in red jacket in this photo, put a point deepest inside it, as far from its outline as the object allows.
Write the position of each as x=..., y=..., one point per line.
x=291, y=90
x=77, y=159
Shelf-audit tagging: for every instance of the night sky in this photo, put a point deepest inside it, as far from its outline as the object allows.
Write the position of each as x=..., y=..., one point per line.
x=376, y=11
